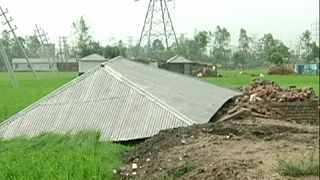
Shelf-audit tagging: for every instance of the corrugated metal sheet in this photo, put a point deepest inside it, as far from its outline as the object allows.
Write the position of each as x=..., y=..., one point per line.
x=93, y=57
x=123, y=100
x=178, y=59
x=193, y=98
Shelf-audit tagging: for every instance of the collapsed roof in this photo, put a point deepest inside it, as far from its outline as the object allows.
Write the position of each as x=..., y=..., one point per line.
x=122, y=99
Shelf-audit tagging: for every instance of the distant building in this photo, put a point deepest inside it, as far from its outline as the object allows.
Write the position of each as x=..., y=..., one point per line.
x=180, y=65
x=306, y=68
x=38, y=64
x=90, y=62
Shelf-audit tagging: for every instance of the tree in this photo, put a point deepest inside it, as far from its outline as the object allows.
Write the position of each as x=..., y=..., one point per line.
x=6, y=42
x=33, y=46
x=221, y=50
x=82, y=38
x=309, y=51
x=115, y=50
x=240, y=57
x=157, y=46
x=16, y=49
x=244, y=41
x=202, y=39
x=274, y=50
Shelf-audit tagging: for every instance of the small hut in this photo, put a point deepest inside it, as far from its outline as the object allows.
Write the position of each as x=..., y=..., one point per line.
x=180, y=64
x=89, y=62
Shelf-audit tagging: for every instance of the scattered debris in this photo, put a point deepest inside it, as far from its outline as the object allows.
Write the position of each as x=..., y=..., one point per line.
x=256, y=99
x=134, y=166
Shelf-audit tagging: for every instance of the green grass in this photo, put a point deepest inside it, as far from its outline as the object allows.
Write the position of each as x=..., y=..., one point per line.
x=12, y=100
x=79, y=156
x=232, y=79
x=306, y=165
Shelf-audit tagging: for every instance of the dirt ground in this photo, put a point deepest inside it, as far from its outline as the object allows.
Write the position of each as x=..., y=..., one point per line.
x=233, y=149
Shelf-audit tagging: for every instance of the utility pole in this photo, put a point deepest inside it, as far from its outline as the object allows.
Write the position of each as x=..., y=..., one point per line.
x=60, y=49
x=44, y=41
x=8, y=66
x=65, y=48
x=12, y=29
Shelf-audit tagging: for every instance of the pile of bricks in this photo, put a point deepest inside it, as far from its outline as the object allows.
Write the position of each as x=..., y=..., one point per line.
x=257, y=98
x=268, y=91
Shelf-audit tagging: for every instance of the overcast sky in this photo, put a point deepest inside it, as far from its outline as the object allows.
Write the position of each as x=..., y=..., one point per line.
x=285, y=19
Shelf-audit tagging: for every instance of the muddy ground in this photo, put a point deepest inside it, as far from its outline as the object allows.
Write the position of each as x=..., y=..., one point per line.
x=233, y=149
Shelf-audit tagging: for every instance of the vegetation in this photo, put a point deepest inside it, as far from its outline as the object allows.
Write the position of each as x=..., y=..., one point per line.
x=12, y=100
x=306, y=165
x=204, y=46
x=73, y=156
x=309, y=50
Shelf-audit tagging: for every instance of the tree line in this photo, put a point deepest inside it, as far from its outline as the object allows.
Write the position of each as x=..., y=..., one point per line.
x=206, y=46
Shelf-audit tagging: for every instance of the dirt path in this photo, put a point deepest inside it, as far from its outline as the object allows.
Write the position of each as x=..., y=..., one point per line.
x=236, y=149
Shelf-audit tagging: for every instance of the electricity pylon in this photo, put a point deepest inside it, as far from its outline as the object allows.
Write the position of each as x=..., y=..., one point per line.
x=158, y=27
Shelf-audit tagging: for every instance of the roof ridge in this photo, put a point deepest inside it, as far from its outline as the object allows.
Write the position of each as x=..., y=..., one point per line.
x=149, y=95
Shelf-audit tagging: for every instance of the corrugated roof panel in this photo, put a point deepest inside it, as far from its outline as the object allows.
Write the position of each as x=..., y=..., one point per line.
x=118, y=110
x=197, y=100
x=93, y=57
x=124, y=100
x=178, y=59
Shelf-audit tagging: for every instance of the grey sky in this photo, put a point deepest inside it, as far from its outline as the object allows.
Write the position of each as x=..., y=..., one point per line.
x=285, y=19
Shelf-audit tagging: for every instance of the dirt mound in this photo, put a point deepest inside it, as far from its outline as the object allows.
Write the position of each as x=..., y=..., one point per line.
x=244, y=149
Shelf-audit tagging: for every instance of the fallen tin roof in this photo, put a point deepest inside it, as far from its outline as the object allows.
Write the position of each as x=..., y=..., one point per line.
x=122, y=99
x=179, y=59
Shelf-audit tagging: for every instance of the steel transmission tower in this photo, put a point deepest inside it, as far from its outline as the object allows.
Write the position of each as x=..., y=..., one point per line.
x=158, y=26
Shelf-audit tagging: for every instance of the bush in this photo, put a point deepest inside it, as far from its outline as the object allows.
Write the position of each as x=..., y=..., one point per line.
x=307, y=165
x=280, y=70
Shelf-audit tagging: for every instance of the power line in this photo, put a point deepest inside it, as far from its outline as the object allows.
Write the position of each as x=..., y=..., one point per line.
x=12, y=30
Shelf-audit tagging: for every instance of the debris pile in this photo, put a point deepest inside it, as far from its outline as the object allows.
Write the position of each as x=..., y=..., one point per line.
x=268, y=91
x=256, y=99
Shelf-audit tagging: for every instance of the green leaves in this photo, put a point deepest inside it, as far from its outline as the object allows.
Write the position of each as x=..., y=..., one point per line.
x=309, y=51
x=273, y=50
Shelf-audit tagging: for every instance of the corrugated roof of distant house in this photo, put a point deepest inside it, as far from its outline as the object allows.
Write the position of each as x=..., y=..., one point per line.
x=179, y=59
x=122, y=99
x=93, y=57
x=32, y=60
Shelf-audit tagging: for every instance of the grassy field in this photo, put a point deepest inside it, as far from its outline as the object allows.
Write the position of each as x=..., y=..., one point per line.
x=12, y=100
x=233, y=79
x=79, y=156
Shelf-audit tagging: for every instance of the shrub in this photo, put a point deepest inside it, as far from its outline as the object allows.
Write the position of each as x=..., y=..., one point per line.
x=307, y=165
x=280, y=70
